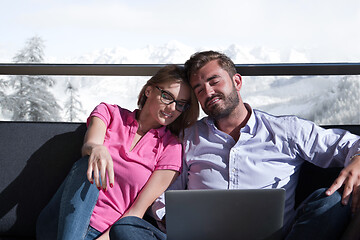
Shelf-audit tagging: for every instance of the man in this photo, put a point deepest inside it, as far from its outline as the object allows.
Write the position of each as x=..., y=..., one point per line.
x=238, y=147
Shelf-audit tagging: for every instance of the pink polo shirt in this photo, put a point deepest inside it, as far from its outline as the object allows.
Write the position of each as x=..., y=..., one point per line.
x=157, y=149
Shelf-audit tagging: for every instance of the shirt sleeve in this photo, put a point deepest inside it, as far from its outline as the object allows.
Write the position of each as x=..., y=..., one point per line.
x=103, y=111
x=324, y=147
x=171, y=156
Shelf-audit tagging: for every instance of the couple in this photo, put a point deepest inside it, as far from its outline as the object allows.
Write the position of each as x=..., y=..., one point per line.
x=230, y=148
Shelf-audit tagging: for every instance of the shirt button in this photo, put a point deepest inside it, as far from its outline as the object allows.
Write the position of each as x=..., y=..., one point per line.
x=233, y=170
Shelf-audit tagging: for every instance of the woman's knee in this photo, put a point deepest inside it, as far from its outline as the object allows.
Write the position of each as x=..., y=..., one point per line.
x=131, y=221
x=125, y=228
x=134, y=228
x=82, y=163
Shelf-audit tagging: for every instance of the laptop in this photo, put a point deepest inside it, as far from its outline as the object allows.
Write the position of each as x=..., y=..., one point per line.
x=224, y=214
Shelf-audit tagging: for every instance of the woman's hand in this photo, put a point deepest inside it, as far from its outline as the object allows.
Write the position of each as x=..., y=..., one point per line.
x=100, y=165
x=100, y=161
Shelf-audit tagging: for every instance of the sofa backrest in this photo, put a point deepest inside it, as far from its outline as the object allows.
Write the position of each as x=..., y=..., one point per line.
x=34, y=159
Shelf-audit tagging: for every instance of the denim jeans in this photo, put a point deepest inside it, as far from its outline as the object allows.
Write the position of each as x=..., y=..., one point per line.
x=92, y=233
x=320, y=217
x=68, y=213
x=134, y=228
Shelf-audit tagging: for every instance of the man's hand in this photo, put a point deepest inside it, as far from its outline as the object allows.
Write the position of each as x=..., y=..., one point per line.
x=350, y=178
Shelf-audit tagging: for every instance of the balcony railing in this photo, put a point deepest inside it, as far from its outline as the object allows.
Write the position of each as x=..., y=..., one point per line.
x=136, y=70
x=287, y=69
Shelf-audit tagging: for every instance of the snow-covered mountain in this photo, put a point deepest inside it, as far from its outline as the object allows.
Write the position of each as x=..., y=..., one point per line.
x=323, y=99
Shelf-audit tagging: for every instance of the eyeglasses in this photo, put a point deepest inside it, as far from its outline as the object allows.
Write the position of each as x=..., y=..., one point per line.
x=168, y=99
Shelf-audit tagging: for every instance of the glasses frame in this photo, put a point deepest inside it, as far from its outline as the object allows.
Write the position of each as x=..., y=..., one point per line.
x=178, y=107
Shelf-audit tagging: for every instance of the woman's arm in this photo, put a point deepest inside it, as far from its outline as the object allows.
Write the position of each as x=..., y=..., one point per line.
x=158, y=182
x=100, y=160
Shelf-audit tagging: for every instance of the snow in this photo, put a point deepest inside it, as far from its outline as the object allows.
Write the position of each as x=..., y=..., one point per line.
x=323, y=99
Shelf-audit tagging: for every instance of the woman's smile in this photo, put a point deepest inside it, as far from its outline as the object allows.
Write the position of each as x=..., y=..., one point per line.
x=167, y=115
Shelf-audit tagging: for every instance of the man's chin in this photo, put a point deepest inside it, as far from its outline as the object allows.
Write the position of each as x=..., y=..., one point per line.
x=214, y=112
x=218, y=113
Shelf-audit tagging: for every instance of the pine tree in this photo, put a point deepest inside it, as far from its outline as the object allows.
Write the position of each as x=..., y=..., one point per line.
x=342, y=99
x=3, y=84
x=73, y=105
x=4, y=101
x=32, y=100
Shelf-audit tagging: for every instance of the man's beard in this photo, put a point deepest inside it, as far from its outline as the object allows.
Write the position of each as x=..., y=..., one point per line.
x=224, y=109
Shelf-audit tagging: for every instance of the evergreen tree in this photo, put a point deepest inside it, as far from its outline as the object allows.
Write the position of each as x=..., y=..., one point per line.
x=342, y=99
x=32, y=100
x=3, y=85
x=4, y=100
x=73, y=105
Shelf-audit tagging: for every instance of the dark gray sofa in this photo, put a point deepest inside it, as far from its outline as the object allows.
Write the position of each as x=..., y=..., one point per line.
x=35, y=158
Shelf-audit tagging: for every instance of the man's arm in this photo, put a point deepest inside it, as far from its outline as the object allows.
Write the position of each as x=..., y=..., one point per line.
x=331, y=148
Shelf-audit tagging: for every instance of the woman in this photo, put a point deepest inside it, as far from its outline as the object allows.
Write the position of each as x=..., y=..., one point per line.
x=132, y=158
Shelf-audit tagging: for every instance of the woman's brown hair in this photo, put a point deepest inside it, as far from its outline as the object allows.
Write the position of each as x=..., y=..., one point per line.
x=173, y=73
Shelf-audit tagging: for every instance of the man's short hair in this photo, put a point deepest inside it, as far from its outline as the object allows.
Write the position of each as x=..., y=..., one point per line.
x=199, y=59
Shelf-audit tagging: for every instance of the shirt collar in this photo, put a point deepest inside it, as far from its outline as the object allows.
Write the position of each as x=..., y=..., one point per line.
x=251, y=123
x=248, y=128
x=131, y=119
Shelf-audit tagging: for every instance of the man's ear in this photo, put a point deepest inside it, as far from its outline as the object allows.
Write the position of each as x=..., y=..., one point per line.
x=237, y=79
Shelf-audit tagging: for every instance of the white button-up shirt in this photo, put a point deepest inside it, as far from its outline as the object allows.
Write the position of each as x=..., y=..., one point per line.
x=268, y=154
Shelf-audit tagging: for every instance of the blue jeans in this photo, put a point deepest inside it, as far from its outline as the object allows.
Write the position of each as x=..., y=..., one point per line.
x=320, y=217
x=92, y=233
x=68, y=213
x=134, y=228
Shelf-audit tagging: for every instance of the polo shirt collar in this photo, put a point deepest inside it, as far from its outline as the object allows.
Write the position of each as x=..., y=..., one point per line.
x=131, y=119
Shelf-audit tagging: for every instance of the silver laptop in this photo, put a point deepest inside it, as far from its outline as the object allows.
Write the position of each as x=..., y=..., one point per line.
x=224, y=214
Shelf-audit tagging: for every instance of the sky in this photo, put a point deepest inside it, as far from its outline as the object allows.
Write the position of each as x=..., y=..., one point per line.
x=325, y=30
